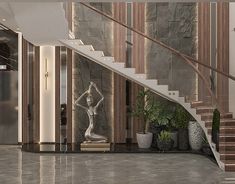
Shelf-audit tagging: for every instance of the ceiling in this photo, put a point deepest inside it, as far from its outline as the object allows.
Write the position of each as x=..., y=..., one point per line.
x=40, y=23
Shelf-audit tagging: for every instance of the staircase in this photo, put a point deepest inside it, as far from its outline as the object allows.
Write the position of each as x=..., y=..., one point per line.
x=203, y=113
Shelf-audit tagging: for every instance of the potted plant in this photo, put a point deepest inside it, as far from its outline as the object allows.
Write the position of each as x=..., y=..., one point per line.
x=160, y=121
x=164, y=141
x=145, y=109
x=182, y=119
x=171, y=127
x=216, y=127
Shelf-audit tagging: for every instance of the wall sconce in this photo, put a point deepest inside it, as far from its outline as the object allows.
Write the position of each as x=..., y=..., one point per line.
x=46, y=74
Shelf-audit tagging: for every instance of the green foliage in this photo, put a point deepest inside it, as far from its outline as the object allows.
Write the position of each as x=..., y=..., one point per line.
x=216, y=120
x=164, y=136
x=151, y=111
x=145, y=108
x=182, y=117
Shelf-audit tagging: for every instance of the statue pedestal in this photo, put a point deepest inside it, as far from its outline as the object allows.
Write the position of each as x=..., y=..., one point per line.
x=93, y=146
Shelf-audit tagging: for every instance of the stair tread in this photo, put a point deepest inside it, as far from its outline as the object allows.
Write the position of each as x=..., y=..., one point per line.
x=222, y=120
x=227, y=135
x=204, y=107
x=227, y=144
x=228, y=153
x=228, y=162
x=224, y=127
x=196, y=102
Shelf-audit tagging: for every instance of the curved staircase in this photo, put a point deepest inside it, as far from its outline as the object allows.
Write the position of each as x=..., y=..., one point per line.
x=203, y=113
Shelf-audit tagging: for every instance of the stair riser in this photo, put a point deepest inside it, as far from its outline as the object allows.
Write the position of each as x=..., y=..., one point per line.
x=223, y=149
x=227, y=157
x=227, y=116
x=227, y=139
x=196, y=105
x=230, y=168
x=227, y=131
x=200, y=111
x=223, y=131
x=206, y=118
x=209, y=124
x=210, y=117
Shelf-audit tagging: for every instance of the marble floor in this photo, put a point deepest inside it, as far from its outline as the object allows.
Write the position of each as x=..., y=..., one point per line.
x=18, y=167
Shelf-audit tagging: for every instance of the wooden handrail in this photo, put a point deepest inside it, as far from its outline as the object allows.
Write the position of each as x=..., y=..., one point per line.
x=186, y=58
x=176, y=52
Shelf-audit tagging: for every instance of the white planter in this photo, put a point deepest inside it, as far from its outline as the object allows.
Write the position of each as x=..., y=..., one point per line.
x=174, y=137
x=144, y=140
x=195, y=135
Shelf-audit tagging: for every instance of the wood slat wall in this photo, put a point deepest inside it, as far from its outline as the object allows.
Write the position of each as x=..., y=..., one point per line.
x=203, y=46
x=119, y=83
x=138, y=60
x=223, y=54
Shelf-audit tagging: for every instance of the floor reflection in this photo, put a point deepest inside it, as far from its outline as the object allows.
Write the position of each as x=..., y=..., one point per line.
x=18, y=167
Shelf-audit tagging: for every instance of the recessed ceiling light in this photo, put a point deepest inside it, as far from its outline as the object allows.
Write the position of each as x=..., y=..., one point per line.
x=3, y=20
x=18, y=29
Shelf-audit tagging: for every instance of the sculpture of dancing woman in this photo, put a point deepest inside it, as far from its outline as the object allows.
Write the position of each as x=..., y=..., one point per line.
x=90, y=136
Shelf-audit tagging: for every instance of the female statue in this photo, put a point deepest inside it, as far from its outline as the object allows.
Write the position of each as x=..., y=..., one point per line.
x=90, y=136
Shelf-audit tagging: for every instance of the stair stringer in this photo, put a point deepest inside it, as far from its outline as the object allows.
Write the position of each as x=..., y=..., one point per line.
x=197, y=117
x=129, y=73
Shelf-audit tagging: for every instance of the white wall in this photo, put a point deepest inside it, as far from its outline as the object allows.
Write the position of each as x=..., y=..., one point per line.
x=47, y=97
x=232, y=57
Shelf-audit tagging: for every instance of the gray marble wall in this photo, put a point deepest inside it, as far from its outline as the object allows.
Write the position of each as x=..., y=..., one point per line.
x=176, y=25
x=95, y=30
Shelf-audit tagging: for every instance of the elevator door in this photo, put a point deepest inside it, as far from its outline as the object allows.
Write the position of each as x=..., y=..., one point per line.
x=8, y=86
x=8, y=107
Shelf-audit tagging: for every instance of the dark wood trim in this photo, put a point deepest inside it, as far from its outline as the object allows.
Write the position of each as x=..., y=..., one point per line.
x=69, y=95
x=57, y=94
x=223, y=54
x=36, y=94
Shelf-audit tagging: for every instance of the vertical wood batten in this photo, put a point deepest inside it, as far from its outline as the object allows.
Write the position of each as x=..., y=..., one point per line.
x=57, y=94
x=119, y=83
x=223, y=54
x=204, y=47
x=69, y=95
x=37, y=95
x=138, y=60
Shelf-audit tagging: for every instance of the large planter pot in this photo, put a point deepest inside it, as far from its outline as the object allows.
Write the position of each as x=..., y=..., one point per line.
x=183, y=141
x=144, y=140
x=174, y=137
x=165, y=145
x=195, y=135
x=155, y=129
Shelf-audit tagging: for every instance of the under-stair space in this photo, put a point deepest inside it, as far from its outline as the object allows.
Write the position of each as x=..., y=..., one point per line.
x=203, y=113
